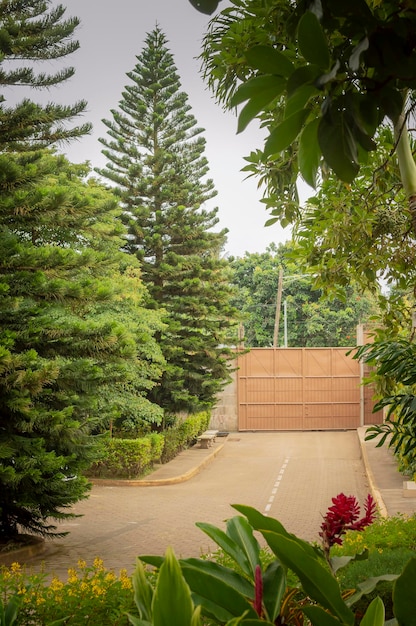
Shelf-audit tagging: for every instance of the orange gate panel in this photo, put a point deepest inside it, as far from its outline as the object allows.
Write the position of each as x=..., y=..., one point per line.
x=298, y=389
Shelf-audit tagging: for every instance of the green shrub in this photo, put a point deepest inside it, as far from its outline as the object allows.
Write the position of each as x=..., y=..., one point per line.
x=173, y=445
x=133, y=458
x=183, y=434
x=391, y=543
x=95, y=595
x=90, y=595
x=384, y=533
x=128, y=458
x=157, y=442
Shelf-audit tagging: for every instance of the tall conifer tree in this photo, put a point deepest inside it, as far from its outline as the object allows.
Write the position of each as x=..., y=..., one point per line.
x=156, y=160
x=76, y=346
x=31, y=32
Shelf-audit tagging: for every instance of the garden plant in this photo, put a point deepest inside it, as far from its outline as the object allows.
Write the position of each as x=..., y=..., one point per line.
x=287, y=581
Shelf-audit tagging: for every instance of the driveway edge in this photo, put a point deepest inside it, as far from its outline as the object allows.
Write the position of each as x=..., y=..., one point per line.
x=373, y=486
x=159, y=482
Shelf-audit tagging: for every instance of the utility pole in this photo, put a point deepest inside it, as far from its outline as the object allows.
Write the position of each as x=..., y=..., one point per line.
x=278, y=306
x=285, y=321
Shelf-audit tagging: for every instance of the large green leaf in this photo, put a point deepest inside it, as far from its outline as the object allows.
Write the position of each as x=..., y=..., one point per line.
x=205, y=6
x=309, y=153
x=260, y=92
x=248, y=622
x=253, y=107
x=151, y=559
x=368, y=107
x=338, y=562
x=259, y=84
x=262, y=522
x=242, y=621
x=368, y=586
x=304, y=75
x=240, y=531
x=312, y=41
x=172, y=603
x=230, y=547
x=269, y=61
x=319, y=617
x=274, y=588
x=136, y=621
x=143, y=592
x=338, y=145
x=285, y=133
x=358, y=9
x=225, y=574
x=10, y=611
x=362, y=137
x=196, y=617
x=217, y=598
x=316, y=580
x=374, y=615
x=323, y=79
x=299, y=99
x=354, y=60
x=404, y=597
x=391, y=101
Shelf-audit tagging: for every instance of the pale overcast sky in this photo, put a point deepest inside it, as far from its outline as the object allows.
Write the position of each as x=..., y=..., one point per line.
x=111, y=35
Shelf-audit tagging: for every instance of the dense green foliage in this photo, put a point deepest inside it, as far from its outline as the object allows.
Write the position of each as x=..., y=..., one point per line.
x=330, y=86
x=156, y=162
x=333, y=84
x=31, y=32
x=43, y=445
x=360, y=233
x=321, y=76
x=128, y=458
x=183, y=433
x=310, y=320
x=77, y=348
x=94, y=590
x=76, y=344
x=124, y=457
x=396, y=373
x=253, y=590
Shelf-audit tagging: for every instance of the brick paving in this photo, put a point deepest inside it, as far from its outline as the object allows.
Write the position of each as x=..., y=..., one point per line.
x=386, y=481
x=288, y=475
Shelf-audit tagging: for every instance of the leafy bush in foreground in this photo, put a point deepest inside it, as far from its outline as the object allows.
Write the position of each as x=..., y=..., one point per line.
x=289, y=583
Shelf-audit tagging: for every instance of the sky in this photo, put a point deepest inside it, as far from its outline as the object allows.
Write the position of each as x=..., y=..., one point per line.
x=111, y=35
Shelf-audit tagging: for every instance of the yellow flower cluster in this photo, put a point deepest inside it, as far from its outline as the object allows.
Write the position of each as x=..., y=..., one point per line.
x=85, y=589
x=126, y=582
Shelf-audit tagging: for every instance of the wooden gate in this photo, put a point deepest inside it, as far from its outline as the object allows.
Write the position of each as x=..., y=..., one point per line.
x=298, y=389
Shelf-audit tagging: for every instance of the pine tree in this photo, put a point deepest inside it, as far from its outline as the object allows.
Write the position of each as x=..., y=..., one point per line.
x=76, y=346
x=156, y=161
x=30, y=33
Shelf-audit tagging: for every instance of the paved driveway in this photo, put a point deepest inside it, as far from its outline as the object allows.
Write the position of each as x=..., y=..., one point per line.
x=291, y=476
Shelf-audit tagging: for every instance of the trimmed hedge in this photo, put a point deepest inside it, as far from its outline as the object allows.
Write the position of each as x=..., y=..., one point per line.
x=133, y=458
x=128, y=458
x=184, y=434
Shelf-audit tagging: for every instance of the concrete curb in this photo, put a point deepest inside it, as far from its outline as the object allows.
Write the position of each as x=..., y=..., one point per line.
x=22, y=554
x=159, y=482
x=375, y=492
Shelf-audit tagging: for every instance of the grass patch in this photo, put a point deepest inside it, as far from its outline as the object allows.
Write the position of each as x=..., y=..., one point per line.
x=390, y=542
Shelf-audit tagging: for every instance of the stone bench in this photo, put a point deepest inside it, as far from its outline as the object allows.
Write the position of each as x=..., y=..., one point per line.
x=207, y=438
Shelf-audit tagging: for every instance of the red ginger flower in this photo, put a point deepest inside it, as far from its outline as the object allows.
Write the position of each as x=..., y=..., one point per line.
x=344, y=515
x=258, y=591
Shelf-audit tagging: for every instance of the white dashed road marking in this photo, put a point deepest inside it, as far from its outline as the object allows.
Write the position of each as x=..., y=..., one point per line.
x=275, y=487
